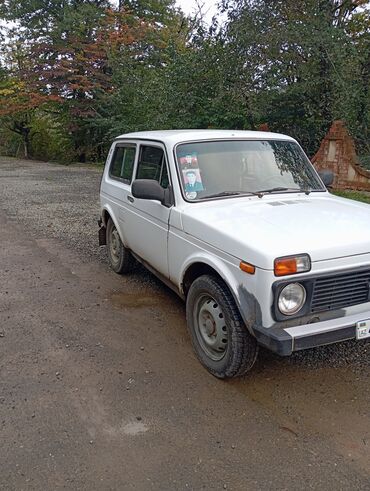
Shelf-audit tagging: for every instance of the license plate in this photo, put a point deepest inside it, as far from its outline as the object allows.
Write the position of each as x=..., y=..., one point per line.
x=363, y=329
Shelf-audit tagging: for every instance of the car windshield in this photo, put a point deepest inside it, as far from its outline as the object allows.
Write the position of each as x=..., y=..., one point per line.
x=230, y=168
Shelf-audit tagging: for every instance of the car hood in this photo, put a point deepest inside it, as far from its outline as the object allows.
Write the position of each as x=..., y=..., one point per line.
x=258, y=230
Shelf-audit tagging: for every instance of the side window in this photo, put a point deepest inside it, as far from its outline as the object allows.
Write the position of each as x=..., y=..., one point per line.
x=122, y=163
x=152, y=165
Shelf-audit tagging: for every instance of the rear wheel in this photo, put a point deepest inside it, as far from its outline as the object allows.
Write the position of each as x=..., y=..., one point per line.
x=120, y=258
x=220, y=338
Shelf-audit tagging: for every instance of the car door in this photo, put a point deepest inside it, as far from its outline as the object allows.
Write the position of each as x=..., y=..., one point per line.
x=149, y=221
x=116, y=187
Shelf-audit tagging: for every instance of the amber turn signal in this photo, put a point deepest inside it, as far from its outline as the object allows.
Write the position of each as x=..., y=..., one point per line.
x=247, y=268
x=293, y=264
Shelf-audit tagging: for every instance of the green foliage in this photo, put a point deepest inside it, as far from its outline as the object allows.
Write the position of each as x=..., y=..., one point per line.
x=10, y=142
x=88, y=70
x=50, y=141
x=299, y=59
x=364, y=160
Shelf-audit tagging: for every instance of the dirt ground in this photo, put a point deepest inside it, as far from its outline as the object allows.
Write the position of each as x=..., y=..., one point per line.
x=100, y=390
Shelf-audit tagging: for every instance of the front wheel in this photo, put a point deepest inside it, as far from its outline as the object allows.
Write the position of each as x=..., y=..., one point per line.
x=219, y=336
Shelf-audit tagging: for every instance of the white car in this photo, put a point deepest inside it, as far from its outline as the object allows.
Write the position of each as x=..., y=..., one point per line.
x=242, y=227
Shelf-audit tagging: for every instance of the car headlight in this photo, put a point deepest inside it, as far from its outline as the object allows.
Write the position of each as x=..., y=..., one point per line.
x=291, y=298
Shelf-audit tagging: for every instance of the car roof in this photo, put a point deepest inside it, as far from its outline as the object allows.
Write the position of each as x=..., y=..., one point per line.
x=177, y=136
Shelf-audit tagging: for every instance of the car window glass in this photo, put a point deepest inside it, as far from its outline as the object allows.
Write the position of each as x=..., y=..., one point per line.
x=128, y=163
x=152, y=165
x=123, y=163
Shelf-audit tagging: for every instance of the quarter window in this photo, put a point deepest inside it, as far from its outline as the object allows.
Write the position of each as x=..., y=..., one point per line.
x=123, y=163
x=152, y=165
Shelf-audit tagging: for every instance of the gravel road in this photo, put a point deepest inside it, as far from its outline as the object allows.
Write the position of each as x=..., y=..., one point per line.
x=100, y=390
x=57, y=201
x=54, y=201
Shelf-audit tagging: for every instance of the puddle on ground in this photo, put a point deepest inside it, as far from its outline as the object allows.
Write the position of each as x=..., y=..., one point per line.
x=136, y=300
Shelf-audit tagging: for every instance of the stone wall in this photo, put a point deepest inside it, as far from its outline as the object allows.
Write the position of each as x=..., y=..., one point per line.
x=337, y=153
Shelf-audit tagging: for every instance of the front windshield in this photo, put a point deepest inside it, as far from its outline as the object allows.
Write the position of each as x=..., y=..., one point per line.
x=213, y=168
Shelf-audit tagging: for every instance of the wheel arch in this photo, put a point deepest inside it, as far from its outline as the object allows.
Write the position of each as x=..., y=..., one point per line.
x=199, y=266
x=194, y=271
x=106, y=214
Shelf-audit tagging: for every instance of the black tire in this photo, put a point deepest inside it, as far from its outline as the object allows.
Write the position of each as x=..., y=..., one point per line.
x=219, y=336
x=120, y=258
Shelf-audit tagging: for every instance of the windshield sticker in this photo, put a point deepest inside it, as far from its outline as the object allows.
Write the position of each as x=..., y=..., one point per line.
x=191, y=195
x=192, y=180
x=188, y=161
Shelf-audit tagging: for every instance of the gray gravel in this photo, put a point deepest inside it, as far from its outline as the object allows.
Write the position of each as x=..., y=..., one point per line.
x=62, y=202
x=54, y=201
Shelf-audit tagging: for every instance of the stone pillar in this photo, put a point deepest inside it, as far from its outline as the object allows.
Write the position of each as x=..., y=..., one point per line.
x=337, y=153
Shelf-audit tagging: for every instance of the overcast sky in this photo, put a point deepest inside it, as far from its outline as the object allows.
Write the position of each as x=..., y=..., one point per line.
x=188, y=6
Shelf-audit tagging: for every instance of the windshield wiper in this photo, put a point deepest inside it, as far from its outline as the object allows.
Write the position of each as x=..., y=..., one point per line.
x=282, y=189
x=260, y=194
x=229, y=193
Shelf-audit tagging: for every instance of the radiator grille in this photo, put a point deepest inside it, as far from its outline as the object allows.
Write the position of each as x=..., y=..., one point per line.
x=340, y=291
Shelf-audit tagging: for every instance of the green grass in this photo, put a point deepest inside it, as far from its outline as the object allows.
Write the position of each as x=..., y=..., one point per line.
x=356, y=195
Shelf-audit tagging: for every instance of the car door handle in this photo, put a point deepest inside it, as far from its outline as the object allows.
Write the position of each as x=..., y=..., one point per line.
x=130, y=198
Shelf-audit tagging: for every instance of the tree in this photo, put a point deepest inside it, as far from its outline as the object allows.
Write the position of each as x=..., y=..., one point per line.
x=19, y=100
x=95, y=70
x=140, y=70
x=358, y=28
x=297, y=62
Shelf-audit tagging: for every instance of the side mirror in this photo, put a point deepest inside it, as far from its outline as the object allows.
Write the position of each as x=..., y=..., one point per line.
x=327, y=177
x=148, y=189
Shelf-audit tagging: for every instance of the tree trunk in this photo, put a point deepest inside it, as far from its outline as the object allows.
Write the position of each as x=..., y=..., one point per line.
x=22, y=129
x=26, y=142
x=25, y=146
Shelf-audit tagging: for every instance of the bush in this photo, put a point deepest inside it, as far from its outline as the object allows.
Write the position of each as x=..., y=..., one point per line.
x=49, y=141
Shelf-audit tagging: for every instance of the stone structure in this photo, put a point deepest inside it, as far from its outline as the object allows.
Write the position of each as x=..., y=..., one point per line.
x=263, y=127
x=337, y=153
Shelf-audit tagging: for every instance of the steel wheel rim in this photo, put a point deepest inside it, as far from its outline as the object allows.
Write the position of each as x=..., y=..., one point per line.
x=114, y=245
x=210, y=327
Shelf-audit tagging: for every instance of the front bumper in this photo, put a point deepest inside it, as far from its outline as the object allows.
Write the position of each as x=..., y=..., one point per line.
x=284, y=341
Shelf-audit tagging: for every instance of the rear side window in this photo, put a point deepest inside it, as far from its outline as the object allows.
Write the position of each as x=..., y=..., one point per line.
x=152, y=165
x=122, y=164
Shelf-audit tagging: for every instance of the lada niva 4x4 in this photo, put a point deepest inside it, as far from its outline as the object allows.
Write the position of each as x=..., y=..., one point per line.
x=242, y=227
